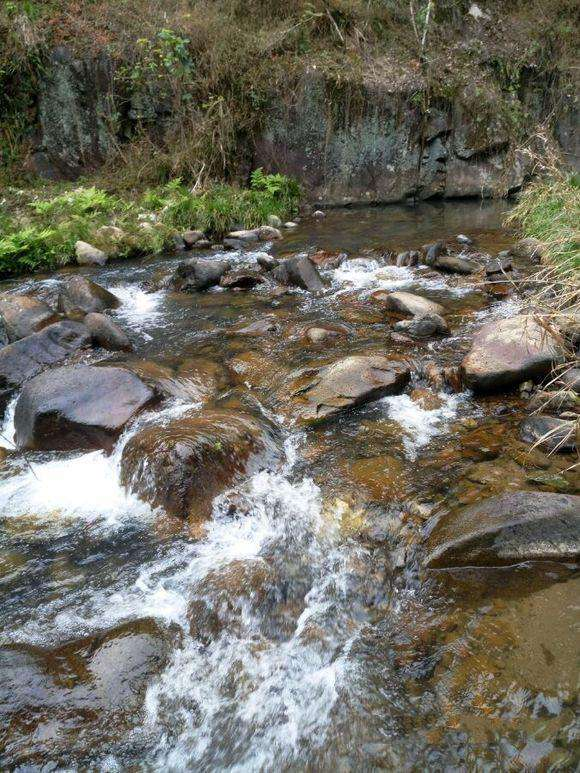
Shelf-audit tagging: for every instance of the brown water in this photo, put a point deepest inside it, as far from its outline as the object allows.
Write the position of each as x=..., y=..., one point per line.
x=333, y=649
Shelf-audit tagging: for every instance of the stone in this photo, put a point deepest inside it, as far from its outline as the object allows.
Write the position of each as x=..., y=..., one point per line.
x=266, y=262
x=318, y=334
x=191, y=238
x=318, y=214
x=498, y=266
x=299, y=272
x=323, y=393
x=274, y=221
x=554, y=402
x=260, y=327
x=245, y=236
x=87, y=255
x=290, y=225
x=408, y=258
x=528, y=249
x=508, y=529
x=110, y=233
x=27, y=357
x=243, y=279
x=78, y=407
x=185, y=463
x=230, y=244
x=508, y=351
x=423, y=326
x=266, y=233
x=80, y=296
x=409, y=303
x=570, y=379
x=453, y=264
x=106, y=333
x=198, y=274
x=463, y=239
x=550, y=434
x=24, y=315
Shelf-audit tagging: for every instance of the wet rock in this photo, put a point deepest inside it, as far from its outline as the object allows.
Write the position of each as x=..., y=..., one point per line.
x=265, y=326
x=428, y=400
x=384, y=477
x=195, y=379
x=267, y=233
x=506, y=352
x=570, y=379
x=318, y=214
x=463, y=239
x=198, y=274
x=550, y=434
x=322, y=393
x=27, y=357
x=191, y=238
x=433, y=251
x=290, y=225
x=87, y=255
x=328, y=259
x=528, y=249
x=78, y=406
x=554, y=402
x=23, y=315
x=453, y=264
x=408, y=258
x=409, y=303
x=182, y=465
x=317, y=334
x=245, y=236
x=299, y=272
x=498, y=266
x=80, y=296
x=244, y=279
x=266, y=262
x=423, y=326
x=107, y=333
x=509, y=529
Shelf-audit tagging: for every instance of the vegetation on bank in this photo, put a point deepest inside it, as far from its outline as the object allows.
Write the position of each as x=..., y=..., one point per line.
x=42, y=228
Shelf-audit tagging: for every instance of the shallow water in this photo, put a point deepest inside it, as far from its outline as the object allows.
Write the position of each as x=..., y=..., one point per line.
x=299, y=633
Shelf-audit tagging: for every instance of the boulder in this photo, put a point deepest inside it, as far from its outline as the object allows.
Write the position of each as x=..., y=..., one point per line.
x=506, y=352
x=266, y=262
x=267, y=233
x=463, y=239
x=191, y=238
x=27, y=357
x=409, y=303
x=570, y=379
x=319, y=214
x=244, y=237
x=454, y=264
x=299, y=272
x=198, y=274
x=87, y=255
x=182, y=465
x=423, y=326
x=528, y=249
x=433, y=251
x=80, y=296
x=107, y=333
x=498, y=266
x=322, y=393
x=274, y=221
x=244, y=279
x=550, y=434
x=408, y=258
x=78, y=406
x=508, y=529
x=23, y=315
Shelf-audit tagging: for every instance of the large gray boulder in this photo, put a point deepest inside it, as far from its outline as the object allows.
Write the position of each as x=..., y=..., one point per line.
x=198, y=274
x=79, y=406
x=410, y=303
x=182, y=465
x=27, y=357
x=81, y=296
x=299, y=272
x=509, y=529
x=506, y=352
x=23, y=315
x=322, y=393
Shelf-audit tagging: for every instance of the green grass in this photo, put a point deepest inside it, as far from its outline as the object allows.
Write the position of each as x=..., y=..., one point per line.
x=41, y=232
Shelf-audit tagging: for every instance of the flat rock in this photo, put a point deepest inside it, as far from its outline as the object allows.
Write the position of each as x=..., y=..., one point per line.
x=299, y=272
x=508, y=351
x=508, y=529
x=453, y=264
x=29, y=356
x=182, y=465
x=198, y=274
x=107, y=333
x=322, y=393
x=550, y=434
x=409, y=303
x=246, y=236
x=23, y=315
x=78, y=406
x=80, y=296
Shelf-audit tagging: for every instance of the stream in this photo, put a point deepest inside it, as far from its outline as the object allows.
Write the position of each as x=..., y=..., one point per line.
x=296, y=629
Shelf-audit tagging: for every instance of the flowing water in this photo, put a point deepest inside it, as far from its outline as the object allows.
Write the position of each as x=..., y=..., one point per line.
x=299, y=631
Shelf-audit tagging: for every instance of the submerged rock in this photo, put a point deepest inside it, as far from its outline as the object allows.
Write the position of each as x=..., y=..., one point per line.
x=409, y=303
x=106, y=333
x=87, y=255
x=198, y=274
x=423, y=326
x=506, y=352
x=317, y=334
x=182, y=465
x=550, y=434
x=299, y=272
x=23, y=315
x=27, y=357
x=509, y=529
x=324, y=392
x=79, y=406
x=80, y=296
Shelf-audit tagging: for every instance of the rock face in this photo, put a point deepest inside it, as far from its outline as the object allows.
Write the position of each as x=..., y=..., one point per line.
x=81, y=296
x=87, y=255
x=509, y=529
x=325, y=392
x=507, y=352
x=550, y=434
x=181, y=466
x=23, y=316
x=196, y=274
x=299, y=272
x=107, y=333
x=26, y=358
x=78, y=407
x=409, y=303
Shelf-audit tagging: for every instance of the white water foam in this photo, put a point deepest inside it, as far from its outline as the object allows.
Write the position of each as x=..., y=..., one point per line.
x=8, y=431
x=139, y=309
x=420, y=425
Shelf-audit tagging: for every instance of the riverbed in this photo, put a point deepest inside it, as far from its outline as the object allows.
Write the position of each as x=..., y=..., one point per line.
x=296, y=629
